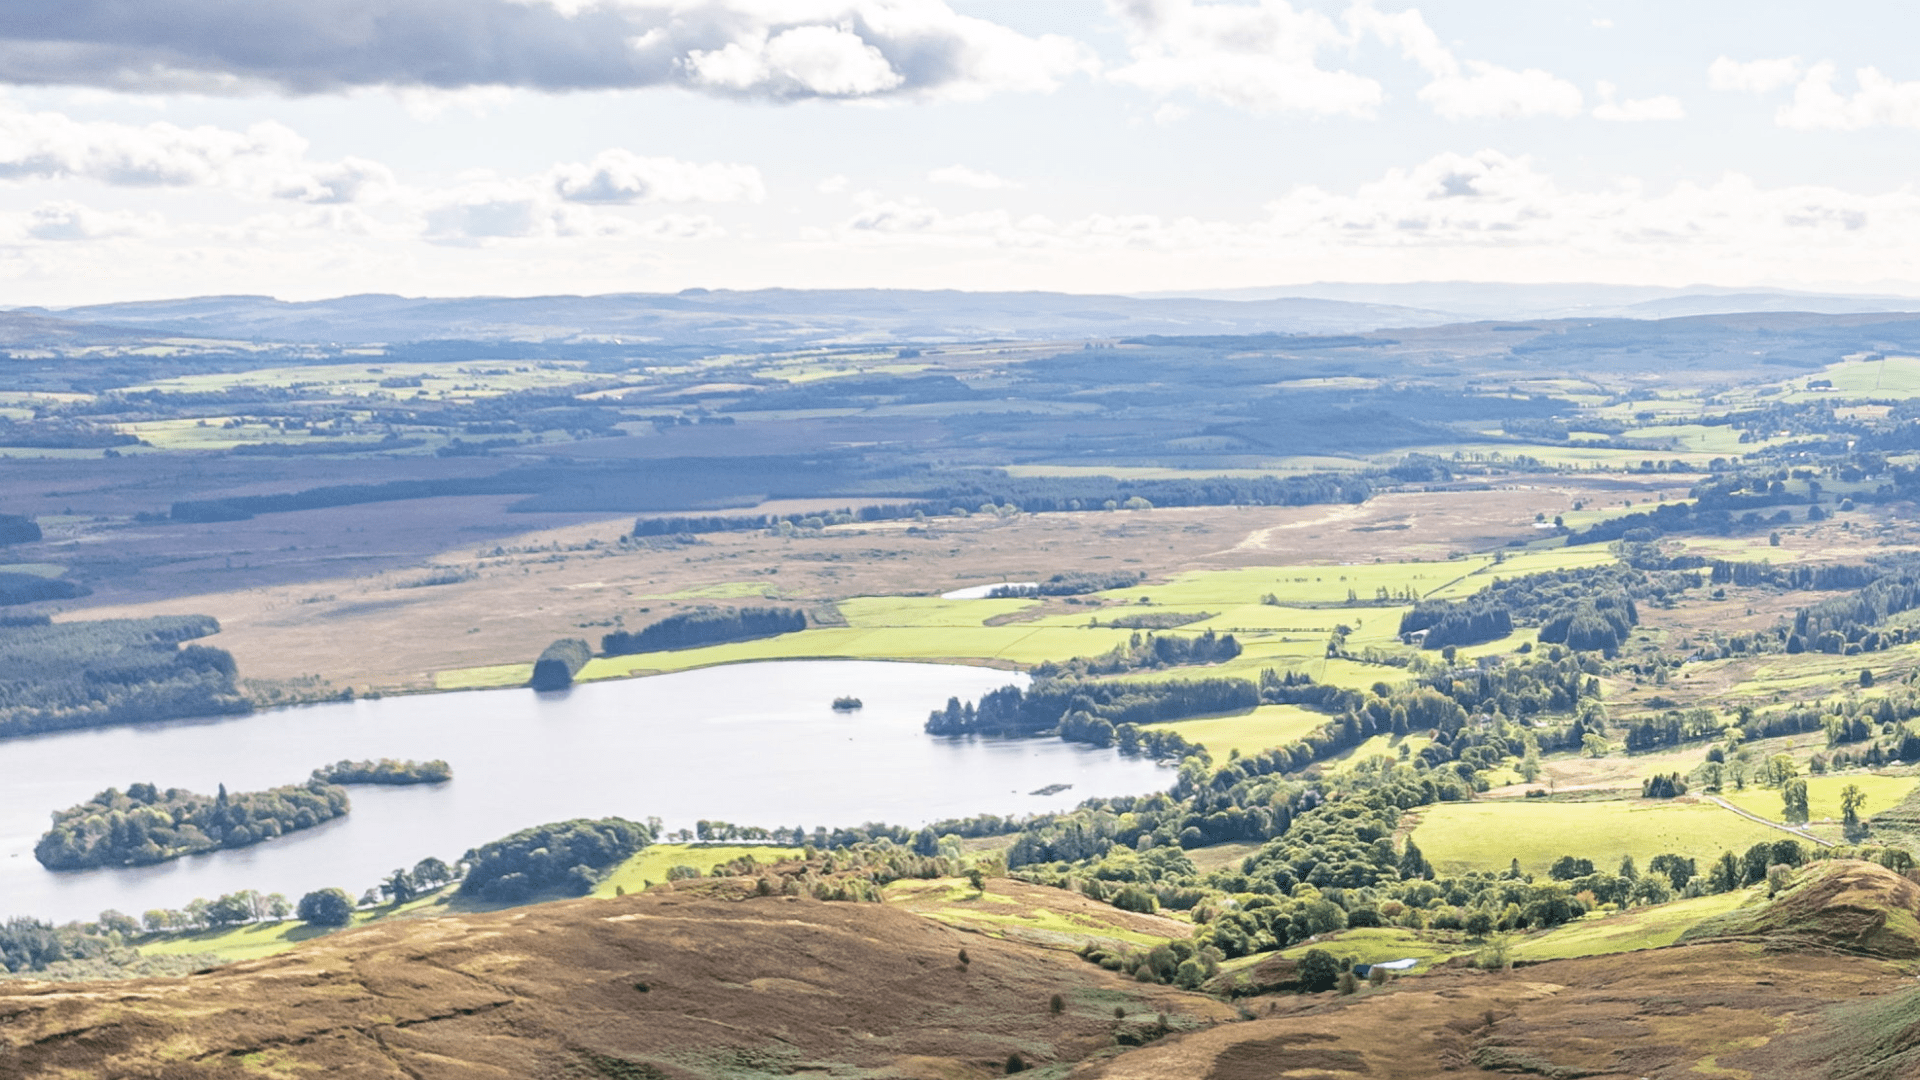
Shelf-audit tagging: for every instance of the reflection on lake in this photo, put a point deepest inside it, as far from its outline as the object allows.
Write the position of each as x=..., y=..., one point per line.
x=754, y=744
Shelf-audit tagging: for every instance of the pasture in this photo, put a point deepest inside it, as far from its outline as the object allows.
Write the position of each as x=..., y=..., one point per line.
x=1248, y=733
x=1489, y=835
x=479, y=378
x=1638, y=928
x=650, y=866
x=1823, y=795
x=1379, y=945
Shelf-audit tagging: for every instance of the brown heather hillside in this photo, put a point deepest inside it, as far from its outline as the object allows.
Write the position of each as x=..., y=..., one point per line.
x=739, y=989
x=1818, y=983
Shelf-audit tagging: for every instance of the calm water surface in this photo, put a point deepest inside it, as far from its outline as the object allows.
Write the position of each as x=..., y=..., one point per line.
x=756, y=744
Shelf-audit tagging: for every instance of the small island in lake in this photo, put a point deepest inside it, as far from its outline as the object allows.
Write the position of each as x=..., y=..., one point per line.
x=846, y=704
x=1051, y=789
x=384, y=771
x=145, y=825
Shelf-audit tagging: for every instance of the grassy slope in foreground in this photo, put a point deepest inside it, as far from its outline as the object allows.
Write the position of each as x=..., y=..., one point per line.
x=625, y=987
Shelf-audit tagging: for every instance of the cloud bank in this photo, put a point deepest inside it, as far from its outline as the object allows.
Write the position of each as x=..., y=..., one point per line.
x=765, y=49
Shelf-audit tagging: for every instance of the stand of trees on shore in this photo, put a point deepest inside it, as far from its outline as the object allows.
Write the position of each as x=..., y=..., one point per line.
x=706, y=627
x=559, y=663
x=146, y=825
x=111, y=671
x=384, y=771
x=566, y=857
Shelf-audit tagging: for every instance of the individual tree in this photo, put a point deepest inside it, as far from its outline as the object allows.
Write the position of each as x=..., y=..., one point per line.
x=1793, y=797
x=231, y=909
x=1318, y=971
x=431, y=872
x=398, y=886
x=325, y=907
x=1479, y=923
x=1852, y=800
x=1413, y=862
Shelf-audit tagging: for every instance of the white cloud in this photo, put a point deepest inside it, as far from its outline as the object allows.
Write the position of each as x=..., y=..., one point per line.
x=770, y=49
x=265, y=159
x=348, y=180
x=1265, y=57
x=65, y=221
x=1491, y=92
x=621, y=176
x=1482, y=215
x=1636, y=110
x=807, y=61
x=1262, y=57
x=1753, y=76
x=1470, y=90
x=561, y=202
x=962, y=176
x=1877, y=102
x=832, y=185
x=1169, y=113
x=682, y=227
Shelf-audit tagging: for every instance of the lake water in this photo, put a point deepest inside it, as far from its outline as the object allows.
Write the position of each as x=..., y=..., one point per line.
x=754, y=744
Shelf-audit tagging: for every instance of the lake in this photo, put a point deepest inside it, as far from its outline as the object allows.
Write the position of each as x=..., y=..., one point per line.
x=753, y=744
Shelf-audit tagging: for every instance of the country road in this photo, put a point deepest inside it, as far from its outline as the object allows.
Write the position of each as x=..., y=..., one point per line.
x=1773, y=824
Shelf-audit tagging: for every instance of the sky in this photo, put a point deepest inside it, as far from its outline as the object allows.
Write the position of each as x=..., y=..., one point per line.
x=161, y=148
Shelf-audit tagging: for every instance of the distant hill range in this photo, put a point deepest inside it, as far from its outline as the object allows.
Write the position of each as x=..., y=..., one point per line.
x=787, y=318
x=774, y=317
x=1461, y=301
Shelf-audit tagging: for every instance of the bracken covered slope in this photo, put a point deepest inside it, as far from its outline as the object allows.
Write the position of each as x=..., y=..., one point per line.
x=654, y=987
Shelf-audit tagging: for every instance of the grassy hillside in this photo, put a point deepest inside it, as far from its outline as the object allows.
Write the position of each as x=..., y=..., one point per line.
x=656, y=986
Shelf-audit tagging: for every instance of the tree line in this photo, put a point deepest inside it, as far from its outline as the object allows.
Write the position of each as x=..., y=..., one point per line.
x=1047, y=494
x=705, y=627
x=1145, y=651
x=111, y=671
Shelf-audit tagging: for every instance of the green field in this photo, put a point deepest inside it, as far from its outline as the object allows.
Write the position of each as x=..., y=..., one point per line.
x=1892, y=377
x=1488, y=835
x=1823, y=795
x=1291, y=634
x=652, y=864
x=1380, y=945
x=480, y=378
x=1251, y=732
x=254, y=940
x=1640, y=928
